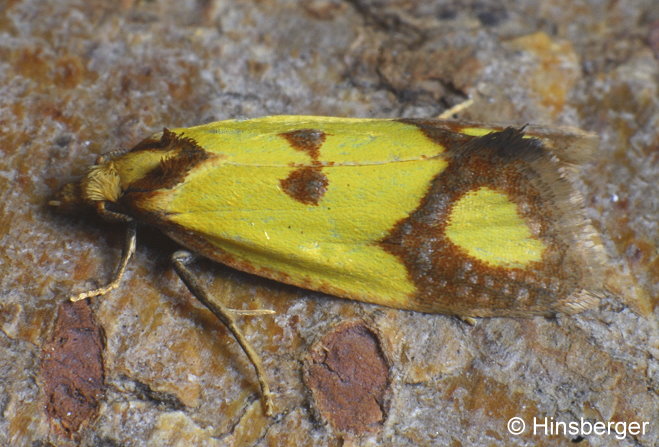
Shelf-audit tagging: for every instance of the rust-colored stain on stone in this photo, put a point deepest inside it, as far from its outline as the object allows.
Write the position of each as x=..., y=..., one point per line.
x=72, y=368
x=348, y=376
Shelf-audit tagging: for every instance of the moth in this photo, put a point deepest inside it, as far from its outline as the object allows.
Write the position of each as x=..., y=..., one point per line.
x=433, y=216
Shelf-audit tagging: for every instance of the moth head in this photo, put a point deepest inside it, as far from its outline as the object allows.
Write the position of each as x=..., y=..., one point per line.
x=101, y=184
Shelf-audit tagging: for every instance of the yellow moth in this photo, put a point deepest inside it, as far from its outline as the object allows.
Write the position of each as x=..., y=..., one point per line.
x=427, y=215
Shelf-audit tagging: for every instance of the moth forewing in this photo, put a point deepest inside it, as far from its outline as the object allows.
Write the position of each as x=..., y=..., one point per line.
x=426, y=215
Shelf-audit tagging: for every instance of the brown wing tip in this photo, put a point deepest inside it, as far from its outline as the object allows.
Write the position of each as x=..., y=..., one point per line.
x=580, y=301
x=569, y=144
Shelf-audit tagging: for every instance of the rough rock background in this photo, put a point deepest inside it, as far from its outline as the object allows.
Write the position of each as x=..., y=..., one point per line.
x=149, y=367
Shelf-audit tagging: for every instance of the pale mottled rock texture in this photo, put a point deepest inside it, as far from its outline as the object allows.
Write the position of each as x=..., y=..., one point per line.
x=79, y=78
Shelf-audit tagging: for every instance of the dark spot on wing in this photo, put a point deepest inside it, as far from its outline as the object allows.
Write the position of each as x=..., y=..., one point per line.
x=306, y=185
x=306, y=140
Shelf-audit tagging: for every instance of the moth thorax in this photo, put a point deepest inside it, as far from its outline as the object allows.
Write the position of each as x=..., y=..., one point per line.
x=102, y=183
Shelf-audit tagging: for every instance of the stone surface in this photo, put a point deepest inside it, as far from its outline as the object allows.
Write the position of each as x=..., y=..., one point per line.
x=81, y=78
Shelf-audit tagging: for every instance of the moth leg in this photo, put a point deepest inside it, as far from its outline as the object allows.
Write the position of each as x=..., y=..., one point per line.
x=181, y=259
x=128, y=251
x=252, y=312
x=459, y=107
x=471, y=321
